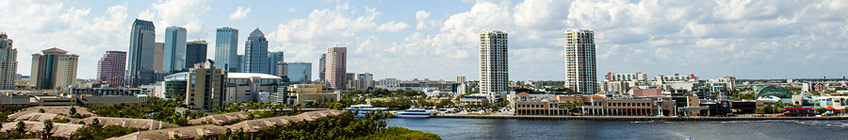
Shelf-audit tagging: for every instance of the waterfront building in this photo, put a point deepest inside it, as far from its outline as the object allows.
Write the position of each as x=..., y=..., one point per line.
x=195, y=53
x=336, y=67
x=206, y=86
x=141, y=54
x=226, y=49
x=322, y=68
x=274, y=58
x=54, y=69
x=494, y=65
x=111, y=67
x=299, y=72
x=256, y=53
x=723, y=84
x=580, y=62
x=620, y=106
x=158, y=57
x=8, y=63
x=175, y=49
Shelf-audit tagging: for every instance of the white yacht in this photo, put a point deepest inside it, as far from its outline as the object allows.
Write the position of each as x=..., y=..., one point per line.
x=365, y=109
x=413, y=113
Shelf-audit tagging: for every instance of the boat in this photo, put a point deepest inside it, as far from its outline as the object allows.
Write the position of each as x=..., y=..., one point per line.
x=413, y=113
x=362, y=109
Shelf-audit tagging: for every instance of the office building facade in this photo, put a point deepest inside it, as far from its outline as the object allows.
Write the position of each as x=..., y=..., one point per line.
x=175, y=49
x=54, y=69
x=111, y=67
x=299, y=72
x=256, y=53
x=226, y=49
x=273, y=59
x=336, y=67
x=195, y=53
x=580, y=61
x=494, y=68
x=141, y=53
x=322, y=68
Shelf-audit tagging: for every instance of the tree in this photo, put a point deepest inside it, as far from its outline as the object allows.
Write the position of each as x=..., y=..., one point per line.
x=21, y=126
x=41, y=110
x=48, y=125
x=72, y=111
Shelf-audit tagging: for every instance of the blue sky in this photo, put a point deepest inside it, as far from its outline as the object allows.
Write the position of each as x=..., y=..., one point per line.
x=437, y=39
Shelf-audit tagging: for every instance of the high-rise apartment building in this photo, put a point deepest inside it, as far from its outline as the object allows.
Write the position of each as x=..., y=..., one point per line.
x=580, y=61
x=195, y=53
x=256, y=53
x=206, y=87
x=141, y=54
x=54, y=69
x=111, y=67
x=336, y=67
x=226, y=49
x=8, y=63
x=175, y=49
x=494, y=68
x=299, y=72
x=322, y=68
x=273, y=59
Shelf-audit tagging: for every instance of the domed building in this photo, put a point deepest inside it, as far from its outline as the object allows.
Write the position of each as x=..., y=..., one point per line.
x=775, y=91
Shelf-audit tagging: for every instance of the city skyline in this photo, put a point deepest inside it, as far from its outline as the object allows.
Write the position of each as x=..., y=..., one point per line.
x=707, y=38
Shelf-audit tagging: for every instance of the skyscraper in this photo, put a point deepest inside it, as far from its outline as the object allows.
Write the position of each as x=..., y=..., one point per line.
x=158, y=57
x=299, y=72
x=273, y=59
x=226, y=49
x=321, y=68
x=54, y=69
x=175, y=49
x=195, y=53
x=141, y=52
x=8, y=63
x=256, y=53
x=110, y=68
x=336, y=67
x=239, y=63
x=580, y=61
x=494, y=68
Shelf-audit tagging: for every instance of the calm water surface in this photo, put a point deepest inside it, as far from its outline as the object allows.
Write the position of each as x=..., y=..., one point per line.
x=462, y=129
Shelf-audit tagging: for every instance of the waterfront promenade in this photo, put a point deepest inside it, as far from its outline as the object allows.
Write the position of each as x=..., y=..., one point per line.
x=637, y=118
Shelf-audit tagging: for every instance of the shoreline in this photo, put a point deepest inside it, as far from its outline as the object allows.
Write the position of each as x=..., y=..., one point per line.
x=634, y=118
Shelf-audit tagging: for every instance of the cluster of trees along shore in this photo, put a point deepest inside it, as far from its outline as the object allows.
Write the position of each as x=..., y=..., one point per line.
x=345, y=126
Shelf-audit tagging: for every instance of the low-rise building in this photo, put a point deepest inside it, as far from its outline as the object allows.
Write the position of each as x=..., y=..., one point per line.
x=95, y=101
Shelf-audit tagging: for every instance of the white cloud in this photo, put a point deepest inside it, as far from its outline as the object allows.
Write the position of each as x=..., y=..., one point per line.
x=424, y=22
x=392, y=26
x=184, y=13
x=240, y=13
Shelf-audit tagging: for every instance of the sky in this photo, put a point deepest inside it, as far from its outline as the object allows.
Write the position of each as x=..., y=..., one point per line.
x=439, y=39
